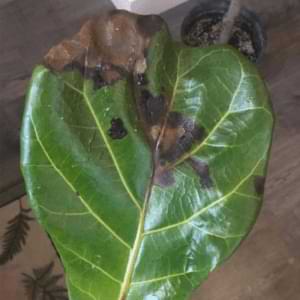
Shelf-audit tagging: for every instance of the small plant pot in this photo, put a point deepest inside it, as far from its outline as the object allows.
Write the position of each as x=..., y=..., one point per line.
x=203, y=25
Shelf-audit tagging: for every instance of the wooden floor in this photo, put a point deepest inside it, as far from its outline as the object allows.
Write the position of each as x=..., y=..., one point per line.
x=267, y=266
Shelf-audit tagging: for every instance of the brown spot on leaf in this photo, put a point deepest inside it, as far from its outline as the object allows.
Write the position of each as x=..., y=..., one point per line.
x=179, y=136
x=202, y=170
x=117, y=130
x=259, y=183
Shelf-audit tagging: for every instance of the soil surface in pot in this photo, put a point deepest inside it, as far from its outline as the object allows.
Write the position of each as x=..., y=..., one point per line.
x=206, y=31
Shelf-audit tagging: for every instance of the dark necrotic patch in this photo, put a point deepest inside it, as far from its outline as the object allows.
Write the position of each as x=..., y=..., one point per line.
x=175, y=119
x=141, y=79
x=75, y=66
x=164, y=177
x=149, y=25
x=104, y=74
x=180, y=135
x=95, y=74
x=101, y=75
x=202, y=170
x=259, y=183
x=198, y=133
x=117, y=130
x=151, y=107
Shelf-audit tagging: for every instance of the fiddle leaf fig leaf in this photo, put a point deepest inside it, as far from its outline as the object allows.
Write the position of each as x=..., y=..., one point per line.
x=144, y=159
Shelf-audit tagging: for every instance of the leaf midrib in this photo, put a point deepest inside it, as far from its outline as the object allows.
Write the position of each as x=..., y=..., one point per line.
x=140, y=233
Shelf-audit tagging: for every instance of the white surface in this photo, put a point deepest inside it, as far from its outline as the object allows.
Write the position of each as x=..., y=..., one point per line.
x=147, y=6
x=122, y=4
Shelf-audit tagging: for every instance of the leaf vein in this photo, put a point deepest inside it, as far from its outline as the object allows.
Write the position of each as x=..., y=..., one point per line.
x=81, y=290
x=205, y=209
x=218, y=124
x=63, y=214
x=87, y=261
x=163, y=278
x=200, y=60
x=102, y=134
x=90, y=210
x=223, y=237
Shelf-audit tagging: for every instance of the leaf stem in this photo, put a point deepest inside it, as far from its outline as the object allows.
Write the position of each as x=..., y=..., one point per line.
x=228, y=21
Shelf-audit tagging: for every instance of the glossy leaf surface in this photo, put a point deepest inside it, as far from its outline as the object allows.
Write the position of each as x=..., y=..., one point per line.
x=148, y=183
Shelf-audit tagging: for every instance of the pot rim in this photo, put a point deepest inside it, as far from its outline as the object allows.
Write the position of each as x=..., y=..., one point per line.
x=247, y=17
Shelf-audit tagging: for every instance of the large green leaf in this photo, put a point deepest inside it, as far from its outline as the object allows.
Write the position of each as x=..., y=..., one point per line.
x=148, y=183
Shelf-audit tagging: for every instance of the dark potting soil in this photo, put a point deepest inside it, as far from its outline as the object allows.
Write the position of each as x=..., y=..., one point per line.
x=207, y=31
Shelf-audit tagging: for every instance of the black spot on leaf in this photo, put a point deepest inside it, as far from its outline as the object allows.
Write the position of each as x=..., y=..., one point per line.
x=175, y=119
x=198, y=133
x=101, y=75
x=259, y=183
x=104, y=74
x=117, y=130
x=141, y=79
x=152, y=108
x=75, y=65
x=202, y=170
x=95, y=75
